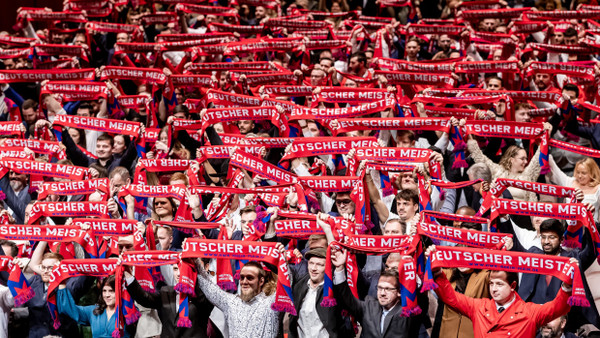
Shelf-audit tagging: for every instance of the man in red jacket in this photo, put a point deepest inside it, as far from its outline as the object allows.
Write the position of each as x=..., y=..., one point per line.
x=506, y=314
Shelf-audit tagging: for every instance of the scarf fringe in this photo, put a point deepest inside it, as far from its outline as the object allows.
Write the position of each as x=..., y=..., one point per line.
x=460, y=146
x=387, y=191
x=184, y=322
x=133, y=317
x=572, y=243
x=544, y=170
x=407, y=312
x=428, y=285
x=116, y=334
x=227, y=286
x=328, y=302
x=2, y=195
x=282, y=307
x=182, y=288
x=578, y=301
x=460, y=163
x=23, y=298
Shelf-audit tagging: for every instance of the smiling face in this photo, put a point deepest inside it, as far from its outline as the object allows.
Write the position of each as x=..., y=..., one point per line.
x=250, y=283
x=47, y=266
x=316, y=269
x=582, y=175
x=344, y=203
x=108, y=295
x=387, y=292
x=550, y=242
x=103, y=149
x=519, y=161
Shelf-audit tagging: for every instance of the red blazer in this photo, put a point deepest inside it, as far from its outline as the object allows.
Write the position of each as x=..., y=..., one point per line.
x=521, y=319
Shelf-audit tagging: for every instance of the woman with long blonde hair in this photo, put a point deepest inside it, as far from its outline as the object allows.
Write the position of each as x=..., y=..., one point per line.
x=586, y=177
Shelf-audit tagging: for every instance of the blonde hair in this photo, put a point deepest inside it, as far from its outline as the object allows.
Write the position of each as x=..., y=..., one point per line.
x=592, y=168
x=511, y=152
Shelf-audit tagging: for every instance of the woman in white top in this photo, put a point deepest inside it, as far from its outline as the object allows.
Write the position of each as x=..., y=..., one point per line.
x=586, y=177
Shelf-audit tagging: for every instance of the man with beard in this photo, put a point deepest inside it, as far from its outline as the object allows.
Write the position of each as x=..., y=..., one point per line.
x=314, y=320
x=248, y=314
x=555, y=329
x=358, y=65
x=16, y=189
x=541, y=289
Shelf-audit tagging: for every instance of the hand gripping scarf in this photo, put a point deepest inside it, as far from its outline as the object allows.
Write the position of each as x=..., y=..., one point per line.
x=17, y=283
x=303, y=113
x=367, y=244
x=68, y=209
x=68, y=268
x=144, y=260
x=247, y=250
x=50, y=234
x=403, y=123
x=557, y=266
x=30, y=167
x=151, y=75
x=315, y=146
x=158, y=165
x=261, y=167
x=574, y=231
x=466, y=237
x=75, y=188
x=142, y=192
x=567, y=211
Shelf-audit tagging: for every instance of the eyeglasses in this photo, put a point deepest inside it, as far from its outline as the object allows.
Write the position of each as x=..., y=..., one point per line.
x=46, y=268
x=386, y=290
x=160, y=203
x=250, y=278
x=340, y=202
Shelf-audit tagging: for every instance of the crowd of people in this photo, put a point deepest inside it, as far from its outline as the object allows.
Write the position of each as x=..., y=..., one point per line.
x=331, y=168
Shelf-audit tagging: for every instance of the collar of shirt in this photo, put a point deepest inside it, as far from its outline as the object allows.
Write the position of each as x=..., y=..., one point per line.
x=505, y=306
x=310, y=287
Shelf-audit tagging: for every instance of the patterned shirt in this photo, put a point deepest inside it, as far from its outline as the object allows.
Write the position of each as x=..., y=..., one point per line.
x=244, y=319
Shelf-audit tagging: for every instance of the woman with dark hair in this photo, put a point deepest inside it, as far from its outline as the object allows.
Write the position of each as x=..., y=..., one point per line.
x=101, y=317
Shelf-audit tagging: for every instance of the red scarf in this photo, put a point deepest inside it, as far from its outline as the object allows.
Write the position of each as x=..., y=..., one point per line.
x=43, y=168
x=68, y=209
x=393, y=123
x=315, y=146
x=430, y=79
x=10, y=128
x=557, y=266
x=68, y=268
x=158, y=165
x=99, y=124
x=466, y=237
x=51, y=233
x=226, y=100
x=75, y=188
x=261, y=251
x=107, y=226
x=261, y=167
x=12, y=76
x=151, y=75
x=302, y=113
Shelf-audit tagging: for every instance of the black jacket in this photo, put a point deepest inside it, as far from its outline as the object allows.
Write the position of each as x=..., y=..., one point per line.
x=165, y=301
x=330, y=316
x=368, y=313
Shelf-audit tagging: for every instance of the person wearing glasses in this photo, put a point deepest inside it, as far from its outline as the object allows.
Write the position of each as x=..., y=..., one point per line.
x=248, y=314
x=541, y=289
x=40, y=322
x=379, y=317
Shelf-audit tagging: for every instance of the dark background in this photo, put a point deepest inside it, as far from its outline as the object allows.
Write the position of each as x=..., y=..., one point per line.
x=8, y=12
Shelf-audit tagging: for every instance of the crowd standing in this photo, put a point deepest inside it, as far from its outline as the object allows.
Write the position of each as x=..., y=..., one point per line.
x=331, y=168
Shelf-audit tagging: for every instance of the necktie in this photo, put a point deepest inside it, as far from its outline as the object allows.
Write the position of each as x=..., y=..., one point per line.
x=500, y=309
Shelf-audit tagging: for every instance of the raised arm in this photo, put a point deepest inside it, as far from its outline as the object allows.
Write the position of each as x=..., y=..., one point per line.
x=213, y=292
x=66, y=305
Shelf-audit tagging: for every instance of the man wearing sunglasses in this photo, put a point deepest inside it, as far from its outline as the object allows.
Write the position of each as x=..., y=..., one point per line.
x=248, y=314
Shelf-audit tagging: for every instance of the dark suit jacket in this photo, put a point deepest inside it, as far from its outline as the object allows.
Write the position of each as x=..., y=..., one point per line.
x=165, y=301
x=330, y=316
x=368, y=313
x=40, y=322
x=533, y=287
